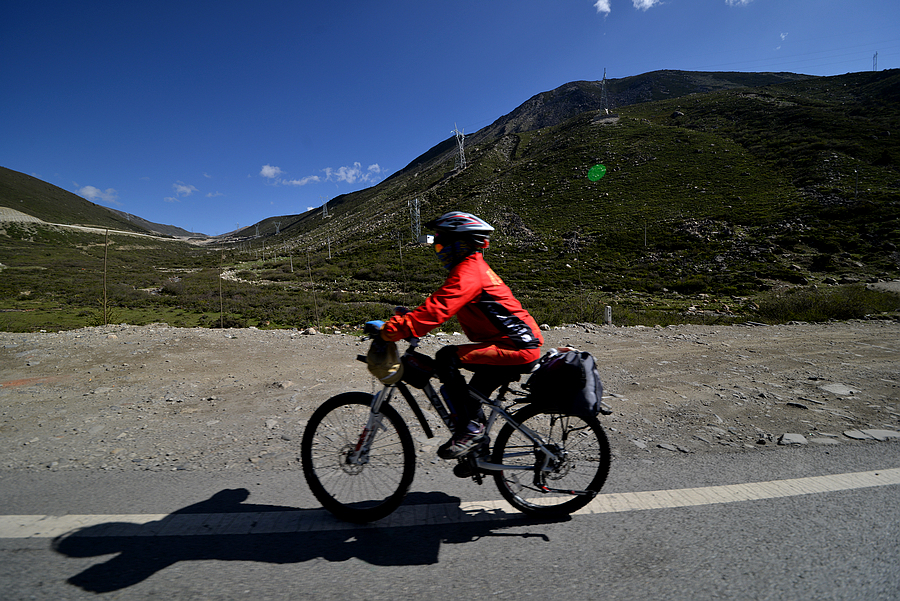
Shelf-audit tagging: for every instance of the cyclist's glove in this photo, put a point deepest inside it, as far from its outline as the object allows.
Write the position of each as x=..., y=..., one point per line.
x=372, y=328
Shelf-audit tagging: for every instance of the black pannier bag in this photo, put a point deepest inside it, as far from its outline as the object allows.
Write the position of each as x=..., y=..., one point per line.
x=417, y=369
x=566, y=381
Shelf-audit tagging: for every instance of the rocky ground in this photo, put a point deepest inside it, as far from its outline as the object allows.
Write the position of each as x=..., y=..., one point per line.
x=163, y=398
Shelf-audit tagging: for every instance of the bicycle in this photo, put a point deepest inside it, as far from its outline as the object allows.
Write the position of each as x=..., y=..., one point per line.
x=359, y=459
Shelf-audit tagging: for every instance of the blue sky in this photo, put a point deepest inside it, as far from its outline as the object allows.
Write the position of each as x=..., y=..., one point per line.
x=207, y=115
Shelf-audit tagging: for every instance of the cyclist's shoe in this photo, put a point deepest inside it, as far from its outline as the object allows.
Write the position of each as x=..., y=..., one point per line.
x=463, y=443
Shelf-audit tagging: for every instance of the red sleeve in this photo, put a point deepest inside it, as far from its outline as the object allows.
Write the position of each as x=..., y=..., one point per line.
x=460, y=288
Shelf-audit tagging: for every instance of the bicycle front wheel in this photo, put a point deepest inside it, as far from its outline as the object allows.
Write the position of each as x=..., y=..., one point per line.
x=582, y=446
x=367, y=490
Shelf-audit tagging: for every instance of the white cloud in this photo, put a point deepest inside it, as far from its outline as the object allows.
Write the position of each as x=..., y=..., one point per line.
x=309, y=179
x=183, y=189
x=783, y=36
x=171, y=199
x=738, y=2
x=353, y=174
x=214, y=194
x=602, y=6
x=96, y=194
x=270, y=171
x=645, y=4
x=350, y=175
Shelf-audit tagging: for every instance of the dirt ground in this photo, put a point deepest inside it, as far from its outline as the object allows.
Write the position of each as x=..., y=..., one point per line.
x=163, y=398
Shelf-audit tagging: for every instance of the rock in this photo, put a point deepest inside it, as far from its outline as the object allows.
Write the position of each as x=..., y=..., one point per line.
x=838, y=389
x=881, y=435
x=792, y=439
x=672, y=447
x=271, y=423
x=824, y=441
x=545, y=327
x=797, y=405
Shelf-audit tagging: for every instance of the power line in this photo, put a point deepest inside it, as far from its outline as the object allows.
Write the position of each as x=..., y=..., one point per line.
x=856, y=50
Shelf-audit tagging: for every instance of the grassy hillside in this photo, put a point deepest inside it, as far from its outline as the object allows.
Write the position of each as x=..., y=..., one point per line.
x=54, y=205
x=726, y=192
x=762, y=203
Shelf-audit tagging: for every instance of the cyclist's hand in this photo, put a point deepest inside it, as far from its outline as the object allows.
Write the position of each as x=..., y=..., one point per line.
x=373, y=328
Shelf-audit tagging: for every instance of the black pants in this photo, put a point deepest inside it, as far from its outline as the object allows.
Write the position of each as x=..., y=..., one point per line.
x=485, y=379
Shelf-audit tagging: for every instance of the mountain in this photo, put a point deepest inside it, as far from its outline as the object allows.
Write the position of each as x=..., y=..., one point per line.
x=722, y=191
x=54, y=205
x=157, y=228
x=715, y=182
x=551, y=108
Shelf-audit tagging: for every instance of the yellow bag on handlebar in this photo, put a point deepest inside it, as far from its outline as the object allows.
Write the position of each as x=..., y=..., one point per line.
x=384, y=363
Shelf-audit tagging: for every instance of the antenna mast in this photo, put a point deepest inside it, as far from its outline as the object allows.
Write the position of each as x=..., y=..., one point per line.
x=875, y=62
x=461, y=155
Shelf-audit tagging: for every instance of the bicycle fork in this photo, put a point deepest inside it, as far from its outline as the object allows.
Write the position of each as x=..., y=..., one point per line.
x=359, y=455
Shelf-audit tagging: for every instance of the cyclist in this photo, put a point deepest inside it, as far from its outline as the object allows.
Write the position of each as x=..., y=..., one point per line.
x=508, y=338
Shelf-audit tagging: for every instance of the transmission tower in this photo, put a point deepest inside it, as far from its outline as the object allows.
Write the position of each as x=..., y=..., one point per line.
x=461, y=155
x=277, y=227
x=875, y=62
x=324, y=207
x=604, y=98
x=414, y=220
x=257, y=230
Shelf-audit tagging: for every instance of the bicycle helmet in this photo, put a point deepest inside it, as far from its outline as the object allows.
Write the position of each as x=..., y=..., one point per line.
x=462, y=225
x=459, y=235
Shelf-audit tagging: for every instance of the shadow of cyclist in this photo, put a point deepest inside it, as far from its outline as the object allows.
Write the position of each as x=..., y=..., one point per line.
x=145, y=549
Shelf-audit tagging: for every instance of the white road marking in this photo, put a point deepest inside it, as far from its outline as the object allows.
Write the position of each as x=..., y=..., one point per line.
x=313, y=520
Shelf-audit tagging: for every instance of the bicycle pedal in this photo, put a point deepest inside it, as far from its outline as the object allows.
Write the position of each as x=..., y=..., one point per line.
x=464, y=469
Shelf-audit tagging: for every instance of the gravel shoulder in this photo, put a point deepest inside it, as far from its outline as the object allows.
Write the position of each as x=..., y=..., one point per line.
x=163, y=398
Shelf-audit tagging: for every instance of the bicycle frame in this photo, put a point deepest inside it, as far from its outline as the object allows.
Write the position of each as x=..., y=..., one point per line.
x=367, y=437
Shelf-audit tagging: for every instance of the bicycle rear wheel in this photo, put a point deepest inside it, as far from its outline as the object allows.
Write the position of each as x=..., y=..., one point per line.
x=584, y=449
x=361, y=492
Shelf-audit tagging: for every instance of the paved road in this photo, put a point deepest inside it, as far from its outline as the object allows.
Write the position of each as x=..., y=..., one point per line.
x=825, y=525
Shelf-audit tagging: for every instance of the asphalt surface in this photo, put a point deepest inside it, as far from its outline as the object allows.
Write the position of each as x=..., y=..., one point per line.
x=832, y=545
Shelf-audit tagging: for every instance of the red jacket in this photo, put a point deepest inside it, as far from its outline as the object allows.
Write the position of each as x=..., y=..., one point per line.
x=483, y=304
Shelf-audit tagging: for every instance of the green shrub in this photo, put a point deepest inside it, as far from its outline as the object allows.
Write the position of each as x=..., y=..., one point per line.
x=824, y=304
